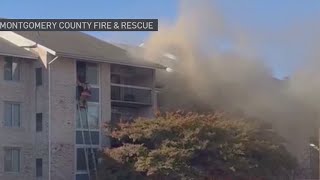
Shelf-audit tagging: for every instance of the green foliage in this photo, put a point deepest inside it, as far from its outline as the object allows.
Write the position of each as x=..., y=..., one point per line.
x=195, y=146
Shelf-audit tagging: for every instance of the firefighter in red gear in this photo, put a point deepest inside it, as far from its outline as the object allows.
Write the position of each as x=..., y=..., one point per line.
x=84, y=94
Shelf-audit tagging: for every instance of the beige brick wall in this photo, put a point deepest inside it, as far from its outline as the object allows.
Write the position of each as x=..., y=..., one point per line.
x=18, y=137
x=63, y=104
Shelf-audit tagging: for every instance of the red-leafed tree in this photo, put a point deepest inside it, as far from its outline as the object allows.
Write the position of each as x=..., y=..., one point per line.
x=195, y=146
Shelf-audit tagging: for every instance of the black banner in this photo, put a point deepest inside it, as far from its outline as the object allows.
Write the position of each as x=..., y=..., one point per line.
x=78, y=24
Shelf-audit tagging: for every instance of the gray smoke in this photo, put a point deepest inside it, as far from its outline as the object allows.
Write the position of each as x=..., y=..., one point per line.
x=236, y=79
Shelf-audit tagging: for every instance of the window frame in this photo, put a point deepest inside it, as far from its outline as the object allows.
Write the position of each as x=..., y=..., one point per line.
x=11, y=149
x=98, y=129
x=97, y=66
x=88, y=148
x=12, y=76
x=11, y=125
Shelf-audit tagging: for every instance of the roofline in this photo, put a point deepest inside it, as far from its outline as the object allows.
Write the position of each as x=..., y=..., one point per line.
x=13, y=55
x=69, y=55
x=30, y=43
x=102, y=60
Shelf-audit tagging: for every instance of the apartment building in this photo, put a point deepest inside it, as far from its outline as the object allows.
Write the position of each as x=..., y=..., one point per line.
x=44, y=134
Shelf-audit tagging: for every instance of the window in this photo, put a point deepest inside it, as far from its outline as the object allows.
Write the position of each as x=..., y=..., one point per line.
x=38, y=76
x=115, y=78
x=87, y=122
x=92, y=73
x=90, y=116
x=12, y=114
x=89, y=139
x=88, y=72
x=12, y=160
x=115, y=118
x=38, y=122
x=39, y=167
x=86, y=156
x=129, y=75
x=94, y=95
x=11, y=69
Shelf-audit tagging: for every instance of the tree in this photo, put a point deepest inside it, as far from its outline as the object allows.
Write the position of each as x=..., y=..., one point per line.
x=195, y=146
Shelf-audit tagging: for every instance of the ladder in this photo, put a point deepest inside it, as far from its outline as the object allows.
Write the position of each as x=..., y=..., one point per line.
x=90, y=149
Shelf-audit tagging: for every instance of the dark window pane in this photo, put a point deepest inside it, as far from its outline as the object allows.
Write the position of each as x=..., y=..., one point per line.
x=85, y=136
x=81, y=159
x=16, y=115
x=82, y=177
x=115, y=78
x=94, y=95
x=39, y=167
x=130, y=94
x=11, y=160
x=115, y=93
x=92, y=158
x=38, y=76
x=95, y=138
x=80, y=136
x=39, y=122
x=8, y=160
x=16, y=160
x=12, y=114
x=131, y=75
x=115, y=118
x=86, y=158
x=8, y=114
x=8, y=68
x=81, y=71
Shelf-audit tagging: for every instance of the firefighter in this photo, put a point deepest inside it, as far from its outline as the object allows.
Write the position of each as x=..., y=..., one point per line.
x=84, y=93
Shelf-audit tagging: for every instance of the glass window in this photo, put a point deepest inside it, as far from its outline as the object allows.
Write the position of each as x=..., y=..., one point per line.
x=90, y=117
x=11, y=160
x=115, y=118
x=82, y=122
x=92, y=157
x=38, y=122
x=80, y=136
x=38, y=76
x=82, y=177
x=12, y=114
x=115, y=78
x=94, y=95
x=86, y=156
x=81, y=159
x=92, y=73
x=129, y=75
x=39, y=167
x=93, y=116
x=11, y=69
x=115, y=93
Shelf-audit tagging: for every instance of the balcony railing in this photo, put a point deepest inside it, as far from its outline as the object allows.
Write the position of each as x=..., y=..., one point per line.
x=131, y=94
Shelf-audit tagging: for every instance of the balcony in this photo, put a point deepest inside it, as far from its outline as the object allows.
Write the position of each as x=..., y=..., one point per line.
x=130, y=95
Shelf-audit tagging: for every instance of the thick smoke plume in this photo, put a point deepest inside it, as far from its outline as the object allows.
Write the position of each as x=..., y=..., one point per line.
x=236, y=79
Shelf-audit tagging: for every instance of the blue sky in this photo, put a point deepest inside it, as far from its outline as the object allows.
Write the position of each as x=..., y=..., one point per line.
x=268, y=18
